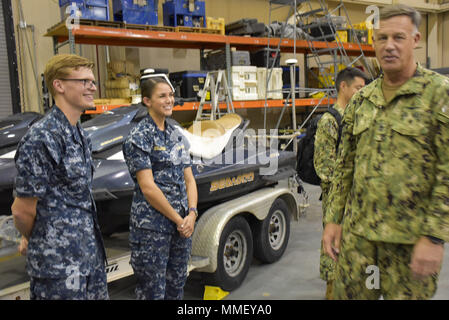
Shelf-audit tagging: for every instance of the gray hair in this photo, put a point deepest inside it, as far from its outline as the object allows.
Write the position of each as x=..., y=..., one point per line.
x=394, y=10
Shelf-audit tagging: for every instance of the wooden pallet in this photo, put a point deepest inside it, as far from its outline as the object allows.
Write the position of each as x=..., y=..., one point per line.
x=107, y=24
x=147, y=27
x=60, y=29
x=160, y=28
x=112, y=101
x=197, y=30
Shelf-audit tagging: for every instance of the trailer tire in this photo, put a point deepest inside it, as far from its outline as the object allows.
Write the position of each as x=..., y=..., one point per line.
x=271, y=234
x=235, y=253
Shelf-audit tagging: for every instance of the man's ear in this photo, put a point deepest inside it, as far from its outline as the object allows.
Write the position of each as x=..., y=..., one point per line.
x=343, y=85
x=57, y=85
x=416, y=38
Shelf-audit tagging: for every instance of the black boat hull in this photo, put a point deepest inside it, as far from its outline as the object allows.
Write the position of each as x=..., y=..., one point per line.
x=217, y=179
x=114, y=188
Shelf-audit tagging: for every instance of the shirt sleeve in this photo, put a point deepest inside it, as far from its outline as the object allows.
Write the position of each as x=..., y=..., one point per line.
x=35, y=161
x=181, y=148
x=436, y=222
x=137, y=152
x=325, y=147
x=341, y=183
x=187, y=161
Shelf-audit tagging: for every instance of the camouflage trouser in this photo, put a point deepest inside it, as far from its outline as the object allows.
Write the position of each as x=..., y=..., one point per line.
x=159, y=261
x=75, y=287
x=368, y=270
x=327, y=265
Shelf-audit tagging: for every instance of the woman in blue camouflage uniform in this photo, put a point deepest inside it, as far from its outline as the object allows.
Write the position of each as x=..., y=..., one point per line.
x=163, y=211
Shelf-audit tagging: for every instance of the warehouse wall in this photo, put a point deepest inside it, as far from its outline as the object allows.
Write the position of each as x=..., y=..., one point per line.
x=230, y=10
x=43, y=14
x=445, y=40
x=33, y=49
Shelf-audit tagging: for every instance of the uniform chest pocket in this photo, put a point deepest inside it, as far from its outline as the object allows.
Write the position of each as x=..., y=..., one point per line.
x=160, y=155
x=409, y=138
x=415, y=129
x=74, y=168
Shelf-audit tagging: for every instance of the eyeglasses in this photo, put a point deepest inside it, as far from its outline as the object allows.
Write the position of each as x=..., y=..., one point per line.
x=86, y=82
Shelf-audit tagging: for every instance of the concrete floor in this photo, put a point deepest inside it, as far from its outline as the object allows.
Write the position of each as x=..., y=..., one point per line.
x=294, y=277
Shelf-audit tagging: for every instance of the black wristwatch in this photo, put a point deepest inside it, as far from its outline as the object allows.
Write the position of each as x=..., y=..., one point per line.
x=195, y=211
x=435, y=240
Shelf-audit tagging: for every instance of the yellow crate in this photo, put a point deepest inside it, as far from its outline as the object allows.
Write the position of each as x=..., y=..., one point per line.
x=325, y=80
x=318, y=95
x=340, y=67
x=366, y=26
x=216, y=23
x=343, y=35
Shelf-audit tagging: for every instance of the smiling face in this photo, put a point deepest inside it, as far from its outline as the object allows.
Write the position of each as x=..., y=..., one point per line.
x=75, y=93
x=394, y=42
x=161, y=102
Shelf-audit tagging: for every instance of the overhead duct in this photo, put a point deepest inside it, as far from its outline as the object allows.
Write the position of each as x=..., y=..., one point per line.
x=417, y=4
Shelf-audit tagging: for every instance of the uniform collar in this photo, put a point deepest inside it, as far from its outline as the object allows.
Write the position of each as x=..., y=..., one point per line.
x=415, y=85
x=64, y=125
x=168, y=127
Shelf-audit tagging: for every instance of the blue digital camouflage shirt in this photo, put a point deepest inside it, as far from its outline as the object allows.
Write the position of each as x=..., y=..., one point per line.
x=54, y=164
x=166, y=154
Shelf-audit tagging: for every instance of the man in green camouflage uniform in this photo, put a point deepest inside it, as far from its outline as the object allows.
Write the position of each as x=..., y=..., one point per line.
x=348, y=82
x=391, y=180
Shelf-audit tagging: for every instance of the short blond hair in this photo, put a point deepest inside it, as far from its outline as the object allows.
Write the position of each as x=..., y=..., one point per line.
x=394, y=10
x=61, y=65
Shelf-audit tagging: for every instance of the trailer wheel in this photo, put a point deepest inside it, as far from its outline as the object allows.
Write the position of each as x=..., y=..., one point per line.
x=235, y=252
x=271, y=235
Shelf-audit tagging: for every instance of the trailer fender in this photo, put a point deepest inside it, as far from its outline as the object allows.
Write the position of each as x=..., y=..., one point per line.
x=212, y=222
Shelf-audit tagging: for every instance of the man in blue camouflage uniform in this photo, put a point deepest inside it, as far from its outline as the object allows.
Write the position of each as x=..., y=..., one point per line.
x=163, y=210
x=54, y=207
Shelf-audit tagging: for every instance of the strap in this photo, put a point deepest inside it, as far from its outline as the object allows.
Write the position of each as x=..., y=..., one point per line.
x=337, y=117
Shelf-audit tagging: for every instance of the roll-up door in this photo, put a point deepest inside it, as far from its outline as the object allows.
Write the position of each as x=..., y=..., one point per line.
x=8, y=62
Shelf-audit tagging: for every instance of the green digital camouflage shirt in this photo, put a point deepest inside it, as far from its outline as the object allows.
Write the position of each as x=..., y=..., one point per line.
x=325, y=154
x=391, y=179
x=326, y=137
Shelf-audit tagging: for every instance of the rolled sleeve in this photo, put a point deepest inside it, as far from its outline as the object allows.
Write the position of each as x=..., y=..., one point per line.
x=34, y=163
x=137, y=155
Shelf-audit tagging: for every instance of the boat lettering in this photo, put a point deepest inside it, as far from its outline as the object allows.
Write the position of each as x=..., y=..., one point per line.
x=231, y=181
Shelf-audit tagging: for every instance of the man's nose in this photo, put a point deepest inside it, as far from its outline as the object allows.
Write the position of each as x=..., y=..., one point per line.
x=390, y=44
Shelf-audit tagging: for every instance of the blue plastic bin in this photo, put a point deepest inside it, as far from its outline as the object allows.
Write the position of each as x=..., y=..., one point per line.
x=90, y=9
x=188, y=83
x=130, y=11
x=177, y=13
